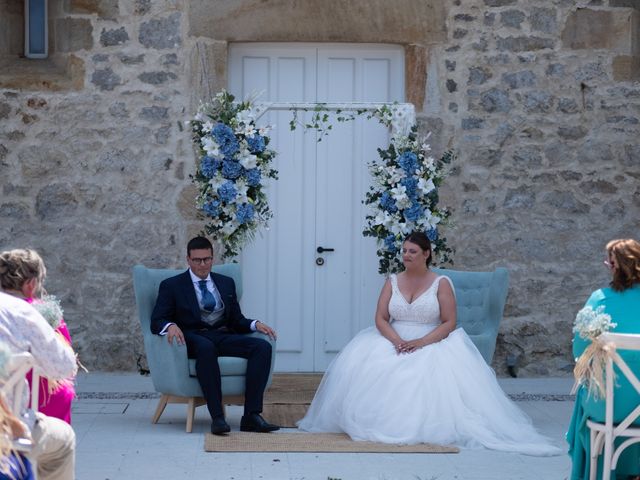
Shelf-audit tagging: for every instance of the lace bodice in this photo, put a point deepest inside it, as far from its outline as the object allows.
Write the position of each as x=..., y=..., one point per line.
x=424, y=309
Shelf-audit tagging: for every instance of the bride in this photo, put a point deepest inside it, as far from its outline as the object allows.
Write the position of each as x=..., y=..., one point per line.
x=415, y=377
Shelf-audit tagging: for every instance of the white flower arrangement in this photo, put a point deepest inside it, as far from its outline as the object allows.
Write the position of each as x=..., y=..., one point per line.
x=404, y=196
x=49, y=307
x=234, y=161
x=590, y=323
x=590, y=366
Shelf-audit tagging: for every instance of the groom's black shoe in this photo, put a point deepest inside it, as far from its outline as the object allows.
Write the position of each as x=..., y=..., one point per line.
x=255, y=423
x=219, y=426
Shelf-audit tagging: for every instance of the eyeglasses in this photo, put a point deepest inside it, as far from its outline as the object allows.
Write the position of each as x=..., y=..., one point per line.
x=609, y=264
x=201, y=261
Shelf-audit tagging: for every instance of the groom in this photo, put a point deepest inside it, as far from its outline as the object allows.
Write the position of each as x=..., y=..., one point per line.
x=200, y=308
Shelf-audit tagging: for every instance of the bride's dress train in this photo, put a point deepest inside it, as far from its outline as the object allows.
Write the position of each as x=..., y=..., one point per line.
x=443, y=393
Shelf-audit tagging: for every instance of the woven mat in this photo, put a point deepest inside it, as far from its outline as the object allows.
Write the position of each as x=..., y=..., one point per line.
x=288, y=397
x=309, y=442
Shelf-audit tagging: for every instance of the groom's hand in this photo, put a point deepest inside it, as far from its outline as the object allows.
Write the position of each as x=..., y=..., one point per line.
x=174, y=332
x=266, y=329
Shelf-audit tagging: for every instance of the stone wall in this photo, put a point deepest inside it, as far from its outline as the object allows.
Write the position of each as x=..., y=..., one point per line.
x=541, y=100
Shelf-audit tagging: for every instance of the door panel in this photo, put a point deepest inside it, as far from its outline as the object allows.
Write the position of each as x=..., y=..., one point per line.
x=317, y=200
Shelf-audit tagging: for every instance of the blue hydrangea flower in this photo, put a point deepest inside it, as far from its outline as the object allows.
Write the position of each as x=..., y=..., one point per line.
x=212, y=208
x=390, y=243
x=227, y=191
x=227, y=140
x=209, y=166
x=244, y=213
x=388, y=203
x=409, y=162
x=231, y=169
x=256, y=144
x=413, y=213
x=253, y=177
x=432, y=234
x=411, y=185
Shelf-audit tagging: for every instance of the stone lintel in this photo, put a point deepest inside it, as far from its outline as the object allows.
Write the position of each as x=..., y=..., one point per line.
x=375, y=21
x=615, y=30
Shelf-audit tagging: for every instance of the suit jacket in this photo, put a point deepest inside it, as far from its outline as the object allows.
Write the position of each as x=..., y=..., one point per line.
x=177, y=302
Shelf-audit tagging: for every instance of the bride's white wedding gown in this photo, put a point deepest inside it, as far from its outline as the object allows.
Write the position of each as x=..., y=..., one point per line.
x=443, y=393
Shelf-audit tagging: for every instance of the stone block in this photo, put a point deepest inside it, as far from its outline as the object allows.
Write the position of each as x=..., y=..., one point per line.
x=544, y=20
x=597, y=187
x=142, y=7
x=625, y=4
x=626, y=68
x=156, y=78
x=528, y=157
x=207, y=70
x=105, y=79
x=614, y=30
x=73, y=34
x=472, y=123
x=478, y=75
x=572, y=133
x=566, y=201
x=112, y=37
x=5, y=110
x=512, y=18
x=161, y=33
x=154, y=113
x=416, y=58
x=521, y=79
x=56, y=201
x=496, y=100
x=524, y=44
x=538, y=102
x=14, y=211
x=499, y=3
x=524, y=198
x=452, y=86
x=105, y=9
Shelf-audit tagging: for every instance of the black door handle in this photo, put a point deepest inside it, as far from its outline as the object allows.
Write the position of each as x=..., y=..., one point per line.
x=322, y=249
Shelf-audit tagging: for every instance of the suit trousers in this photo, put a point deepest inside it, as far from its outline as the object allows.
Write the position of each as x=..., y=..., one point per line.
x=207, y=345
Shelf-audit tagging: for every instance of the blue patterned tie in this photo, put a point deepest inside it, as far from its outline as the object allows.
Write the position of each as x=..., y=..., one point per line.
x=208, y=300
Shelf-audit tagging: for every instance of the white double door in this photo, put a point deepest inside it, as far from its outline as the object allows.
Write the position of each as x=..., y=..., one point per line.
x=316, y=301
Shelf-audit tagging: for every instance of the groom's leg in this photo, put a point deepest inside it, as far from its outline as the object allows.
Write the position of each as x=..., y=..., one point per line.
x=258, y=354
x=204, y=350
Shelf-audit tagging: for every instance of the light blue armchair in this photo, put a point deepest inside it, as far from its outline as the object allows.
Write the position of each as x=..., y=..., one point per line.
x=480, y=297
x=172, y=373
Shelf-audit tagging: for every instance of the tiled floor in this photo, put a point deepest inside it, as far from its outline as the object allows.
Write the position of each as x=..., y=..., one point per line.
x=116, y=441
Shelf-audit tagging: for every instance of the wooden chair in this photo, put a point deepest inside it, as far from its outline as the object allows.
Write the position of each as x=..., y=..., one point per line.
x=604, y=435
x=172, y=372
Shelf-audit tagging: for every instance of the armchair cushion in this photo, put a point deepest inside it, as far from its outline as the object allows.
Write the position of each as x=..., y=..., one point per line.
x=480, y=300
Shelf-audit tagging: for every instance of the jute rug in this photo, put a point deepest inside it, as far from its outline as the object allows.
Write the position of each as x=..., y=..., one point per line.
x=309, y=442
x=287, y=399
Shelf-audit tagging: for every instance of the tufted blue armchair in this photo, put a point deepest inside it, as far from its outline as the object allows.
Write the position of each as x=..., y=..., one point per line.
x=172, y=373
x=480, y=298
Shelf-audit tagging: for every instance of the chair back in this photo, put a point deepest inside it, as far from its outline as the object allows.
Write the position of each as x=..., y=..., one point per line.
x=16, y=369
x=622, y=341
x=480, y=301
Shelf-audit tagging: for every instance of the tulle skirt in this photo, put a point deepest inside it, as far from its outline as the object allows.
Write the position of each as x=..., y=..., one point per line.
x=444, y=393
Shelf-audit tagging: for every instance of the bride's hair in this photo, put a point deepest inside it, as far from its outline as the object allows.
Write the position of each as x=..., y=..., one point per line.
x=420, y=239
x=19, y=266
x=626, y=255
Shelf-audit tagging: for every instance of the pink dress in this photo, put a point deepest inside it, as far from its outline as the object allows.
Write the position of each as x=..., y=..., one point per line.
x=57, y=403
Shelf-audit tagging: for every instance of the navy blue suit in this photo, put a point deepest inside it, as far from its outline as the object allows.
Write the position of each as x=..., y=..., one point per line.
x=177, y=303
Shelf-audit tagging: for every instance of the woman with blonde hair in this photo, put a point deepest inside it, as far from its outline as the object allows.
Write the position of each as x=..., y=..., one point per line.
x=621, y=301
x=22, y=274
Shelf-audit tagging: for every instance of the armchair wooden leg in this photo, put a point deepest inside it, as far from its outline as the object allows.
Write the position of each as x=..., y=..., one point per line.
x=191, y=411
x=162, y=403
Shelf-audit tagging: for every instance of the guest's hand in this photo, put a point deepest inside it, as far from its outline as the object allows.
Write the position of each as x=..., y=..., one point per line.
x=266, y=329
x=174, y=332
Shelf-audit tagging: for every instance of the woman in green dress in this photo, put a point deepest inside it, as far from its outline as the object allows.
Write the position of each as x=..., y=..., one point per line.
x=621, y=300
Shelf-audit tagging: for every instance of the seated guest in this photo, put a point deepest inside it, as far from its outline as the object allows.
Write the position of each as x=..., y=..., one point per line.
x=621, y=300
x=22, y=274
x=201, y=309
x=23, y=329
x=13, y=464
